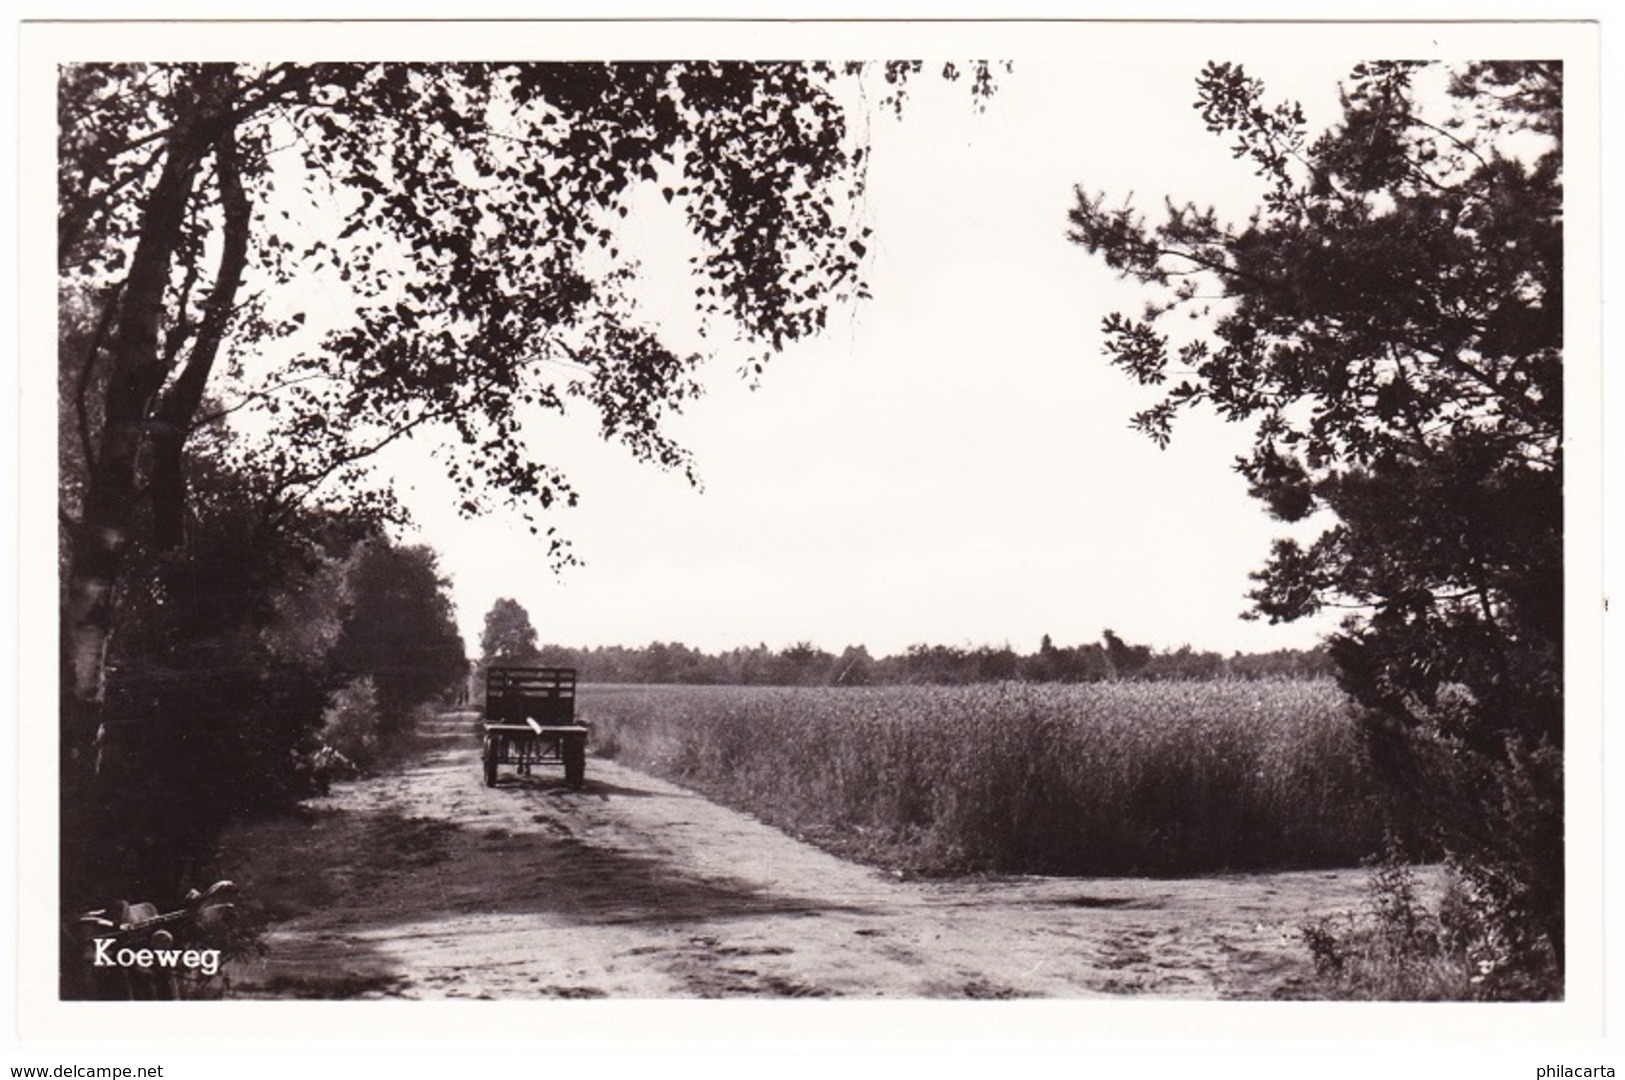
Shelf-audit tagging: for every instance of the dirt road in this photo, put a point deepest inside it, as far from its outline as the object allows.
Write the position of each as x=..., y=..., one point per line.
x=426, y=884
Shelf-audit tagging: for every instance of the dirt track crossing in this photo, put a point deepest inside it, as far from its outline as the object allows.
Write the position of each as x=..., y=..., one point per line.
x=426, y=884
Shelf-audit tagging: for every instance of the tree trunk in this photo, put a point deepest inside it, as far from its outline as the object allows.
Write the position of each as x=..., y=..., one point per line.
x=100, y=540
x=174, y=416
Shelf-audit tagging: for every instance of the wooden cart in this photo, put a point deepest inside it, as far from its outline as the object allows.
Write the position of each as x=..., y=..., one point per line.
x=529, y=719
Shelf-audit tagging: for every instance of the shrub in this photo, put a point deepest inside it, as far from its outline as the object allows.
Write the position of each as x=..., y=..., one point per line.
x=1401, y=948
x=350, y=721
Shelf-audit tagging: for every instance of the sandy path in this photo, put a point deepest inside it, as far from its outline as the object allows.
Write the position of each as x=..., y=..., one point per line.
x=426, y=884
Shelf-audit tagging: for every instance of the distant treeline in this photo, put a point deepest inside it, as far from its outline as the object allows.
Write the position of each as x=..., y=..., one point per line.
x=806, y=665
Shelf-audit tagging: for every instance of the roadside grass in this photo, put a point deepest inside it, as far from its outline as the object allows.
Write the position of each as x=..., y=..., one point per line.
x=1409, y=944
x=422, y=732
x=1109, y=778
x=1368, y=967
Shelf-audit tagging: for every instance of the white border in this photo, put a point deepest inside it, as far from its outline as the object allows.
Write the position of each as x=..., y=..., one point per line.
x=1579, y=1016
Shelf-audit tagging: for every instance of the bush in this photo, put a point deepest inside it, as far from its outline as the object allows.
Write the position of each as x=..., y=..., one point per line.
x=1498, y=818
x=1402, y=948
x=350, y=722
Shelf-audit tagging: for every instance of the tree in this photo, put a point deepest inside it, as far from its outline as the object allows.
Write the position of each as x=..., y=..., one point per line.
x=508, y=634
x=854, y=667
x=1083, y=663
x=1125, y=660
x=802, y=664
x=242, y=658
x=216, y=688
x=470, y=212
x=399, y=631
x=1389, y=322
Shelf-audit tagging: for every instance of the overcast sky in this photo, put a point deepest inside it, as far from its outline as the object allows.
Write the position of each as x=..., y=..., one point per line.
x=951, y=463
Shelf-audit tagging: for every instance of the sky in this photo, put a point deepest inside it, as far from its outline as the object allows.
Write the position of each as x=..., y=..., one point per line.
x=951, y=463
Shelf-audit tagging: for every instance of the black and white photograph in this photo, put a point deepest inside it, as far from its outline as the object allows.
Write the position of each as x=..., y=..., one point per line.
x=1082, y=522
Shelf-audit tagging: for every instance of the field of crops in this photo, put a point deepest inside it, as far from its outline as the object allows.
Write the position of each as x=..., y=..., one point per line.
x=1107, y=778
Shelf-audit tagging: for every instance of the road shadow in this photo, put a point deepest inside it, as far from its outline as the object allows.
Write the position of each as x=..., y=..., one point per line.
x=332, y=886
x=556, y=787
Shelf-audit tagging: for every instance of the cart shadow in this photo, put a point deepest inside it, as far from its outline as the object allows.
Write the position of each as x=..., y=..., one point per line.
x=556, y=787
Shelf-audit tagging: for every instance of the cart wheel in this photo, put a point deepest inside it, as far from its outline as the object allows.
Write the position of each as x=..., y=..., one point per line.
x=574, y=752
x=489, y=756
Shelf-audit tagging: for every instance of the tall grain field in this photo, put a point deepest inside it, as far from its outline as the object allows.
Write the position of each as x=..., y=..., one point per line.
x=1108, y=778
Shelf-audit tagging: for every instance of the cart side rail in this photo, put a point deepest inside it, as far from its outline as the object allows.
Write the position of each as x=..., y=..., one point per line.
x=518, y=694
